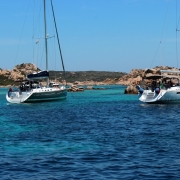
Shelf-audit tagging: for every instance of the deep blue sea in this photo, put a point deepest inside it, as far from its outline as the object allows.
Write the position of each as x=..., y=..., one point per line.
x=92, y=135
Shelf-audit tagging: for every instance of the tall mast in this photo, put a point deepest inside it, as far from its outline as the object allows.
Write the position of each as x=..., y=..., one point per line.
x=46, y=45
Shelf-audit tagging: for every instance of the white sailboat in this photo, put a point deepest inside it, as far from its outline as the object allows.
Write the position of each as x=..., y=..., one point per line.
x=168, y=91
x=31, y=90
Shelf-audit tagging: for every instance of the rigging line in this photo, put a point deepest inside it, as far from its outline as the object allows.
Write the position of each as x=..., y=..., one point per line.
x=38, y=19
x=53, y=46
x=155, y=54
x=177, y=22
x=37, y=55
x=43, y=50
x=176, y=49
x=33, y=33
x=58, y=43
x=22, y=32
x=54, y=58
x=161, y=34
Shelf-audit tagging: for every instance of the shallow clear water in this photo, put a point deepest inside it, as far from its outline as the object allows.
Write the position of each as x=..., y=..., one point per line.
x=95, y=134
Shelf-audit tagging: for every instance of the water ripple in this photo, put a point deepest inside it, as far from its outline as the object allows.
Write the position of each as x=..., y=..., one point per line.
x=92, y=135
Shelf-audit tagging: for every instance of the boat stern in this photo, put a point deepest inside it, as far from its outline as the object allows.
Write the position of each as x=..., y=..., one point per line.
x=150, y=96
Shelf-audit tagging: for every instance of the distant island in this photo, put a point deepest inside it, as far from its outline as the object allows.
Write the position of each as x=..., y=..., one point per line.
x=19, y=72
x=80, y=78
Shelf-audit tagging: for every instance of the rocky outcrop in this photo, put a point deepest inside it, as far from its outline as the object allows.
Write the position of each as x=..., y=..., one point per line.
x=133, y=78
x=131, y=89
x=5, y=73
x=19, y=72
x=26, y=68
x=75, y=88
x=139, y=77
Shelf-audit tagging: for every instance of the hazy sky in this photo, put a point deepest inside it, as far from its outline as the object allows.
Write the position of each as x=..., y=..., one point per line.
x=110, y=35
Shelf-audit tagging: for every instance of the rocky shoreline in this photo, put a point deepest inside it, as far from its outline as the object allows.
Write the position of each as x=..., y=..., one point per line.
x=131, y=80
x=134, y=78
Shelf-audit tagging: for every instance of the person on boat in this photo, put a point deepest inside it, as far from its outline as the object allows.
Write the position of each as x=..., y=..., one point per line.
x=21, y=88
x=162, y=85
x=9, y=92
x=10, y=89
x=166, y=84
x=153, y=85
x=157, y=90
x=31, y=86
x=170, y=83
x=158, y=84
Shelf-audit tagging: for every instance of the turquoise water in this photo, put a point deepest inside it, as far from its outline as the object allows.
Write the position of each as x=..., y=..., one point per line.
x=95, y=134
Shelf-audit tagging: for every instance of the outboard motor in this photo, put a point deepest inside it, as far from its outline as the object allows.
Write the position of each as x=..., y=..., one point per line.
x=141, y=90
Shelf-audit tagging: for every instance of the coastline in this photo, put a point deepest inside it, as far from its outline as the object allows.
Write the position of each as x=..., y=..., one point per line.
x=81, y=84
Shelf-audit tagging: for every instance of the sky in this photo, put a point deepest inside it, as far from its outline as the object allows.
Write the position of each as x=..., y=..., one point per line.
x=99, y=35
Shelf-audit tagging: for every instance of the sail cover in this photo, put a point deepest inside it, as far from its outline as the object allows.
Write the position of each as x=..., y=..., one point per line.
x=38, y=75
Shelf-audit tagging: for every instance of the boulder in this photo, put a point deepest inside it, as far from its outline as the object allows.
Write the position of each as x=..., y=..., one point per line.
x=131, y=90
x=75, y=88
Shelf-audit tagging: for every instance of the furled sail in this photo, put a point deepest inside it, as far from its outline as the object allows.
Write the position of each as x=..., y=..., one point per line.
x=38, y=75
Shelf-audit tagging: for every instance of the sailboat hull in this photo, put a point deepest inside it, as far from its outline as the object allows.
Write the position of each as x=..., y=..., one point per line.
x=47, y=96
x=37, y=95
x=171, y=95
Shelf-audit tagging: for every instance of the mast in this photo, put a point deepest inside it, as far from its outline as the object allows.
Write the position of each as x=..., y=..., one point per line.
x=46, y=44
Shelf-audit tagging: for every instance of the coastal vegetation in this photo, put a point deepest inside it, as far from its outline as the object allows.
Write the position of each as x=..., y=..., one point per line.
x=12, y=77
x=5, y=81
x=98, y=76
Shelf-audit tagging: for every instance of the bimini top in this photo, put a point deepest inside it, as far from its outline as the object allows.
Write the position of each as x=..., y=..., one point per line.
x=170, y=71
x=38, y=75
x=171, y=77
x=157, y=76
x=153, y=76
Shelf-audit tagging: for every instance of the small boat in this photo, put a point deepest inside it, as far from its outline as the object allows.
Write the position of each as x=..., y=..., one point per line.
x=31, y=90
x=164, y=88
